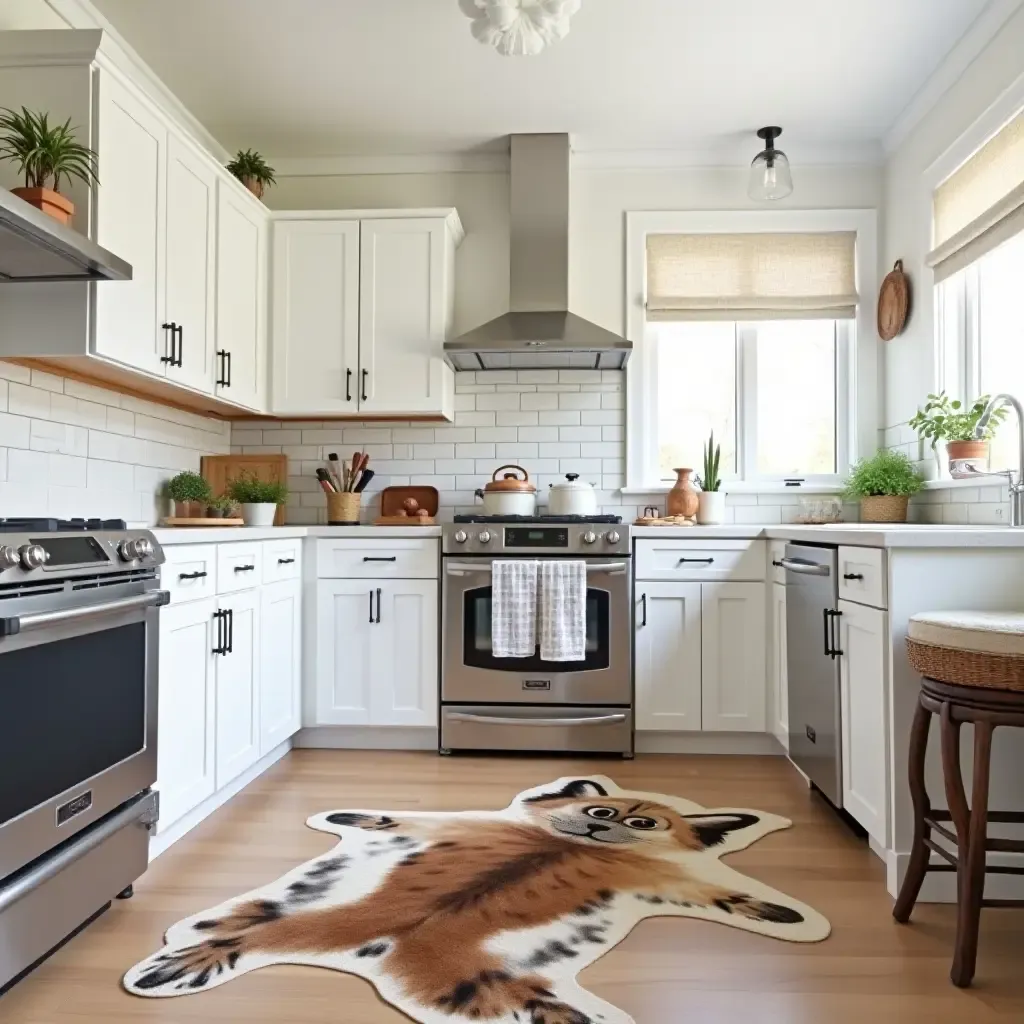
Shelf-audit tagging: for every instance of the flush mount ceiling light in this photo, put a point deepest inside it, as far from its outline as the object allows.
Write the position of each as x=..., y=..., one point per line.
x=518, y=28
x=770, y=176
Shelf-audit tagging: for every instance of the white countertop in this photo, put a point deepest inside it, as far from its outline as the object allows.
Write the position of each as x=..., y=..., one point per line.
x=225, y=534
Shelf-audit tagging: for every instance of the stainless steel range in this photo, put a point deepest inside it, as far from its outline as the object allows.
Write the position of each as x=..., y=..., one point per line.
x=490, y=703
x=78, y=697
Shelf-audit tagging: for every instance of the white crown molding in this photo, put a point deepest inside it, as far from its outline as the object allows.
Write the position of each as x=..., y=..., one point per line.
x=82, y=14
x=417, y=163
x=986, y=27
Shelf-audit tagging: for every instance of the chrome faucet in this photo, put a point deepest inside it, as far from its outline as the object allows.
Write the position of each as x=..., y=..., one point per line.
x=1016, y=489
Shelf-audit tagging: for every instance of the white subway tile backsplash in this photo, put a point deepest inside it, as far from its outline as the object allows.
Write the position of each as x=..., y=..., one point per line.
x=613, y=400
x=538, y=433
x=516, y=450
x=62, y=438
x=579, y=400
x=27, y=401
x=579, y=376
x=497, y=402
x=559, y=450
x=562, y=418
x=497, y=433
x=601, y=449
x=539, y=401
x=474, y=419
x=496, y=377
x=47, y=381
x=478, y=450
x=533, y=377
x=517, y=419
x=579, y=433
x=14, y=430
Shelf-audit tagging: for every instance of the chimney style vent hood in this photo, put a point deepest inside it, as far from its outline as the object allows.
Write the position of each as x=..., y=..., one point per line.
x=539, y=332
x=35, y=247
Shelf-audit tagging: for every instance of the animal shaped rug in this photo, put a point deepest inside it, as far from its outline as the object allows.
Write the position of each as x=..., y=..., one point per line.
x=487, y=915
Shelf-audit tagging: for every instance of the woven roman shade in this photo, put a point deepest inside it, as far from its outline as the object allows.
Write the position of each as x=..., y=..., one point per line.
x=752, y=276
x=980, y=205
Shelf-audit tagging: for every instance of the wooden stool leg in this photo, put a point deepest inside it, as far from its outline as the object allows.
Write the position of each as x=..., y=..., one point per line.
x=972, y=890
x=919, y=853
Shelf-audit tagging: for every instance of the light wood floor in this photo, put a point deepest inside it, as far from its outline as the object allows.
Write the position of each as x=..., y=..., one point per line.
x=871, y=971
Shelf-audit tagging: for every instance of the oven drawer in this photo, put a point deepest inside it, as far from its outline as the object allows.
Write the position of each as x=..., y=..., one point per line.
x=239, y=567
x=190, y=572
x=415, y=558
x=708, y=561
x=282, y=560
x=501, y=727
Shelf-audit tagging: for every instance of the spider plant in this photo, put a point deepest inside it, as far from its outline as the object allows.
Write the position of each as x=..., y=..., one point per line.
x=44, y=153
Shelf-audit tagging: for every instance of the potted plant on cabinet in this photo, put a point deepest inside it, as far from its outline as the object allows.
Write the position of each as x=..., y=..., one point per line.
x=190, y=493
x=222, y=508
x=45, y=154
x=711, y=499
x=883, y=484
x=945, y=420
x=259, y=499
x=252, y=171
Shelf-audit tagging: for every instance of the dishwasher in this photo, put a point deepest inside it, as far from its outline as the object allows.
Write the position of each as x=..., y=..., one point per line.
x=812, y=635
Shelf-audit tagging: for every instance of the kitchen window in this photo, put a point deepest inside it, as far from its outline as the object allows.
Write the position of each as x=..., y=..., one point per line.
x=748, y=326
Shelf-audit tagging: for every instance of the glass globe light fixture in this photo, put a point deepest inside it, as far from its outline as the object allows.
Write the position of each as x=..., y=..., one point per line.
x=770, y=176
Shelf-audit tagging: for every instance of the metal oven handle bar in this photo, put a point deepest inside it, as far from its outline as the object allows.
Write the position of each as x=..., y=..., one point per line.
x=19, y=623
x=803, y=568
x=462, y=716
x=612, y=568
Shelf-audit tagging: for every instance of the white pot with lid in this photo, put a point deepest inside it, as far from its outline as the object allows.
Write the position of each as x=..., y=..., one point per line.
x=511, y=495
x=575, y=497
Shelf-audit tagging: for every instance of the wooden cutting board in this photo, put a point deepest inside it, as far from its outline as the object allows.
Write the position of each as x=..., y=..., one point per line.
x=219, y=470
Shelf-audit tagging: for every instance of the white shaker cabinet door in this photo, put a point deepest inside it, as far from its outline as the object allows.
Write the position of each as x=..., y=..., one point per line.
x=778, y=675
x=280, y=662
x=130, y=209
x=191, y=194
x=344, y=659
x=238, y=678
x=668, y=664
x=186, y=728
x=862, y=674
x=734, y=690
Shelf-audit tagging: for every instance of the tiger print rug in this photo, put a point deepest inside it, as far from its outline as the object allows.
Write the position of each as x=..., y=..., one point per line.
x=487, y=915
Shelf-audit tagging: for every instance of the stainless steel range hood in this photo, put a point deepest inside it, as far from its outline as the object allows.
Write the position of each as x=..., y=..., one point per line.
x=539, y=331
x=35, y=247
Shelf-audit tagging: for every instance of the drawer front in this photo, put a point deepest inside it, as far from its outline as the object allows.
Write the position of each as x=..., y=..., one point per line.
x=700, y=560
x=239, y=566
x=776, y=552
x=383, y=559
x=862, y=576
x=190, y=572
x=282, y=560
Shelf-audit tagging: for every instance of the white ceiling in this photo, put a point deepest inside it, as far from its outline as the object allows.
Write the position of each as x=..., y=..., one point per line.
x=320, y=78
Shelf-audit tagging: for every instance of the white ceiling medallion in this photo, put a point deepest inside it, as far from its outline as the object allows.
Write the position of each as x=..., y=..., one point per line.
x=518, y=28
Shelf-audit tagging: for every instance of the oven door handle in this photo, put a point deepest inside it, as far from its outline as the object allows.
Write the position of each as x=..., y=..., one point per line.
x=462, y=716
x=19, y=623
x=611, y=568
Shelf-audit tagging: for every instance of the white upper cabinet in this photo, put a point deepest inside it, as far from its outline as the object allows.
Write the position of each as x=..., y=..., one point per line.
x=316, y=317
x=241, y=321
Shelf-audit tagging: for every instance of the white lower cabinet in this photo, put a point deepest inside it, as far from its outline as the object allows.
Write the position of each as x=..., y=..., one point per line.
x=280, y=662
x=778, y=677
x=376, y=652
x=238, y=692
x=862, y=673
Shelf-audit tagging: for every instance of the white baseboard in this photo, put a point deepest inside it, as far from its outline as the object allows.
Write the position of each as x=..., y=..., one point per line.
x=707, y=743
x=367, y=737
x=160, y=842
x=940, y=887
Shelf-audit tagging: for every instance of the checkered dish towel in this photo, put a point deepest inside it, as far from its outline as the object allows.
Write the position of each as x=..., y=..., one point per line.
x=563, y=610
x=513, y=608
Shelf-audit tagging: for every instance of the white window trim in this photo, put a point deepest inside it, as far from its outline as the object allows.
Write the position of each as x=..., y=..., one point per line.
x=861, y=397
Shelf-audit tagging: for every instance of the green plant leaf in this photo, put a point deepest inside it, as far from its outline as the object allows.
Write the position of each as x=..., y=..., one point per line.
x=886, y=472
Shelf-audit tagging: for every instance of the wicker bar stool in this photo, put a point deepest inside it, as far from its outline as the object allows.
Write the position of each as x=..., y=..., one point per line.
x=972, y=664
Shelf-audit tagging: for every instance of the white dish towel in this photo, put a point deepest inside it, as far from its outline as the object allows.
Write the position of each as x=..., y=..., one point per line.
x=563, y=610
x=513, y=608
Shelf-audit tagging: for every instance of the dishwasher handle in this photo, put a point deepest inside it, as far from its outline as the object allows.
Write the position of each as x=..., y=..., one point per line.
x=798, y=565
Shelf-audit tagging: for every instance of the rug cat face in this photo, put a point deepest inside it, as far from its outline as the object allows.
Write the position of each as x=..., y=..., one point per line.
x=487, y=916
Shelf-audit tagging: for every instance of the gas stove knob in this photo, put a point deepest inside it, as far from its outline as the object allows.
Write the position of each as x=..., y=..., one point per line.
x=484, y=536
x=613, y=537
x=140, y=547
x=8, y=557
x=33, y=556
x=589, y=537
x=460, y=537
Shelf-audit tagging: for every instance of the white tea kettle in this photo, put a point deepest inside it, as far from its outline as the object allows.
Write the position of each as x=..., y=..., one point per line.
x=575, y=497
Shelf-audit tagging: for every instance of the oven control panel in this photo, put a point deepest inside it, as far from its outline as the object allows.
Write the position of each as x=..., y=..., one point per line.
x=588, y=540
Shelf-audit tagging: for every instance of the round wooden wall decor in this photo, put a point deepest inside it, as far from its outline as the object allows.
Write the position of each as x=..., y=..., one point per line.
x=893, y=303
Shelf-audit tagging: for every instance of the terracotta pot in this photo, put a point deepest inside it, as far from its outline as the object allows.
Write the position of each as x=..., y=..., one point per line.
x=884, y=508
x=254, y=186
x=190, y=509
x=59, y=207
x=967, y=458
x=682, y=499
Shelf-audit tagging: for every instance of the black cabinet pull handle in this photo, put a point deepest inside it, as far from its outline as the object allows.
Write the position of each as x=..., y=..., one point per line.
x=643, y=601
x=227, y=356
x=231, y=630
x=181, y=343
x=378, y=605
x=192, y=575
x=390, y=558
x=777, y=564
x=348, y=385
x=371, y=606
x=824, y=619
x=244, y=568
x=173, y=328
x=706, y=561
x=221, y=617
x=834, y=641
x=366, y=373
x=853, y=576
x=285, y=561
x=222, y=380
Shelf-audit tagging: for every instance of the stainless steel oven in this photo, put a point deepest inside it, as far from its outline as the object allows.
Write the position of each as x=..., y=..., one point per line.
x=78, y=698
x=495, y=703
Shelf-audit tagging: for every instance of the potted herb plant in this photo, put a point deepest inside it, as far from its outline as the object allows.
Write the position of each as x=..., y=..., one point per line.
x=222, y=508
x=252, y=171
x=883, y=484
x=259, y=498
x=190, y=493
x=711, y=499
x=45, y=154
x=945, y=420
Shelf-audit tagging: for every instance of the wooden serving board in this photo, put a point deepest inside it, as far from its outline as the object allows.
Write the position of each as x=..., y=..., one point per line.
x=405, y=521
x=220, y=470
x=182, y=521
x=664, y=521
